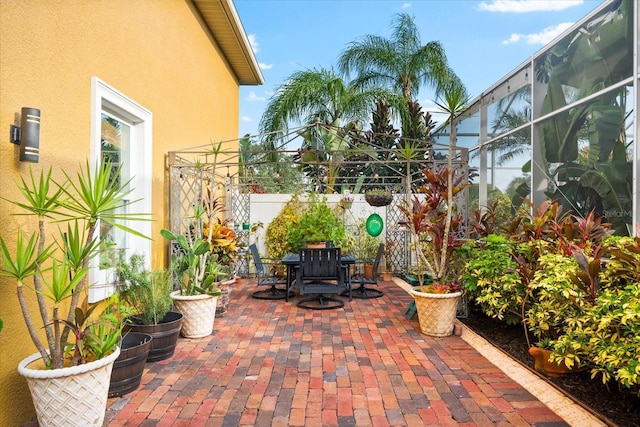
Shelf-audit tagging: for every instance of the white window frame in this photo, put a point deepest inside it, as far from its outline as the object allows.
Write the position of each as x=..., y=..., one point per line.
x=105, y=98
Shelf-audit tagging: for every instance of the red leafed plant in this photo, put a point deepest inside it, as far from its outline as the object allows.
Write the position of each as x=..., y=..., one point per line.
x=434, y=222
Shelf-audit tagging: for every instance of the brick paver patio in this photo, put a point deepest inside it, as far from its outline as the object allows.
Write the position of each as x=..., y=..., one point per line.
x=269, y=363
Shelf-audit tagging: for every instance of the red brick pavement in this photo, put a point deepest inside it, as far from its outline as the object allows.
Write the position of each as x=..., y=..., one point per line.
x=269, y=363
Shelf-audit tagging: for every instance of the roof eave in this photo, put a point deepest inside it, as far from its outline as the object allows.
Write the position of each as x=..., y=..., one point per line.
x=222, y=19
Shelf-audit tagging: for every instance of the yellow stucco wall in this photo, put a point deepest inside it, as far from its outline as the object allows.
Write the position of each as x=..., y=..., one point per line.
x=156, y=52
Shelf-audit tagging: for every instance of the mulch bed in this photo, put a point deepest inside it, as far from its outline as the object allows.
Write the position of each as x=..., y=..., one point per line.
x=616, y=407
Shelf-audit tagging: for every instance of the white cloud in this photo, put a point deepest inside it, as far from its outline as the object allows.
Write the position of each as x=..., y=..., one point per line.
x=246, y=119
x=253, y=97
x=541, y=38
x=264, y=66
x=253, y=42
x=405, y=5
x=524, y=6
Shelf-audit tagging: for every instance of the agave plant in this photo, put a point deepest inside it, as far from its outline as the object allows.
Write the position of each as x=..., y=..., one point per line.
x=59, y=270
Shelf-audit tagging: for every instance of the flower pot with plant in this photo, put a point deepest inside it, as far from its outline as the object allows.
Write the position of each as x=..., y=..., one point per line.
x=80, y=347
x=128, y=368
x=318, y=223
x=378, y=197
x=433, y=221
x=365, y=248
x=196, y=273
x=149, y=293
x=387, y=274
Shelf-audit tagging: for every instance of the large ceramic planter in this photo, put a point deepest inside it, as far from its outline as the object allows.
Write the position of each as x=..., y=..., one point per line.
x=223, y=301
x=165, y=335
x=73, y=396
x=128, y=368
x=436, y=312
x=199, y=313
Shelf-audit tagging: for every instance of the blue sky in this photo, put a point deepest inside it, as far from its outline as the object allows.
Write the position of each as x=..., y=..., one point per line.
x=483, y=40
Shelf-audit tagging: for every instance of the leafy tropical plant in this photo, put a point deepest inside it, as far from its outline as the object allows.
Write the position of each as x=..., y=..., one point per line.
x=363, y=246
x=60, y=275
x=597, y=56
x=319, y=93
x=433, y=222
x=277, y=233
x=195, y=269
x=401, y=63
x=490, y=278
x=318, y=223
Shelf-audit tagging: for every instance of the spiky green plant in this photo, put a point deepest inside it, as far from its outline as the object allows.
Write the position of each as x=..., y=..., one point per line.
x=60, y=275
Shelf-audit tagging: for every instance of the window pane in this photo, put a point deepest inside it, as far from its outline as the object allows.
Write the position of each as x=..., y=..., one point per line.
x=115, y=148
x=591, y=58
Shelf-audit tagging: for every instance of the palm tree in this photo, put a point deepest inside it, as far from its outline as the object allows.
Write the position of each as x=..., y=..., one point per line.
x=400, y=63
x=317, y=94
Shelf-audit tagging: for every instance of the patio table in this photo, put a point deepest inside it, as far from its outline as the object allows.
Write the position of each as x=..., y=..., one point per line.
x=292, y=261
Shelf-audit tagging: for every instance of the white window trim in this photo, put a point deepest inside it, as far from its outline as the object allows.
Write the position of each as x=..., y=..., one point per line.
x=106, y=98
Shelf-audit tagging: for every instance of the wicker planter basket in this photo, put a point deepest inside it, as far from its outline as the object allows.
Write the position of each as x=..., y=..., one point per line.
x=73, y=396
x=378, y=199
x=199, y=313
x=436, y=312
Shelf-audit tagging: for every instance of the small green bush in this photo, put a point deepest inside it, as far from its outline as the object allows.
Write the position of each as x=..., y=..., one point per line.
x=490, y=279
x=149, y=292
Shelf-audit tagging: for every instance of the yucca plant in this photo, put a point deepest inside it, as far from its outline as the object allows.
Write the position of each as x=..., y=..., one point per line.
x=57, y=272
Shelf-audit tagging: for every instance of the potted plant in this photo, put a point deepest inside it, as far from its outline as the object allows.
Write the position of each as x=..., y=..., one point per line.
x=128, y=368
x=318, y=224
x=196, y=272
x=79, y=349
x=347, y=199
x=433, y=223
x=149, y=293
x=224, y=249
x=387, y=274
x=378, y=197
x=365, y=248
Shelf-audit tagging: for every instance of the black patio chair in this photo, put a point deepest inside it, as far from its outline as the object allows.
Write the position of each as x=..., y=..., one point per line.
x=277, y=285
x=362, y=291
x=320, y=272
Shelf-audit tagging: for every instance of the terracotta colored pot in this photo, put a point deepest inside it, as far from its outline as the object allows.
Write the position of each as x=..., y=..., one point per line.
x=543, y=365
x=368, y=271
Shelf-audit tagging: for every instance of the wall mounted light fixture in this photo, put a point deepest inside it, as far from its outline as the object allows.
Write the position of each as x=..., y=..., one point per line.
x=27, y=135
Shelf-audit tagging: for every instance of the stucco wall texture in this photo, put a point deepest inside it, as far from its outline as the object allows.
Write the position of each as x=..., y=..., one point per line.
x=157, y=53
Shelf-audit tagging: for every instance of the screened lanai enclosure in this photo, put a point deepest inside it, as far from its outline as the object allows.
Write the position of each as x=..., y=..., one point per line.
x=254, y=183
x=562, y=125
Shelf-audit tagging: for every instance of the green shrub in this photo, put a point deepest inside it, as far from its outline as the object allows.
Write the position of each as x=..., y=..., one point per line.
x=148, y=292
x=277, y=233
x=318, y=223
x=490, y=279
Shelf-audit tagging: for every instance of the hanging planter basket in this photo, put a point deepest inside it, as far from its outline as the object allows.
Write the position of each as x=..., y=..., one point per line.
x=378, y=199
